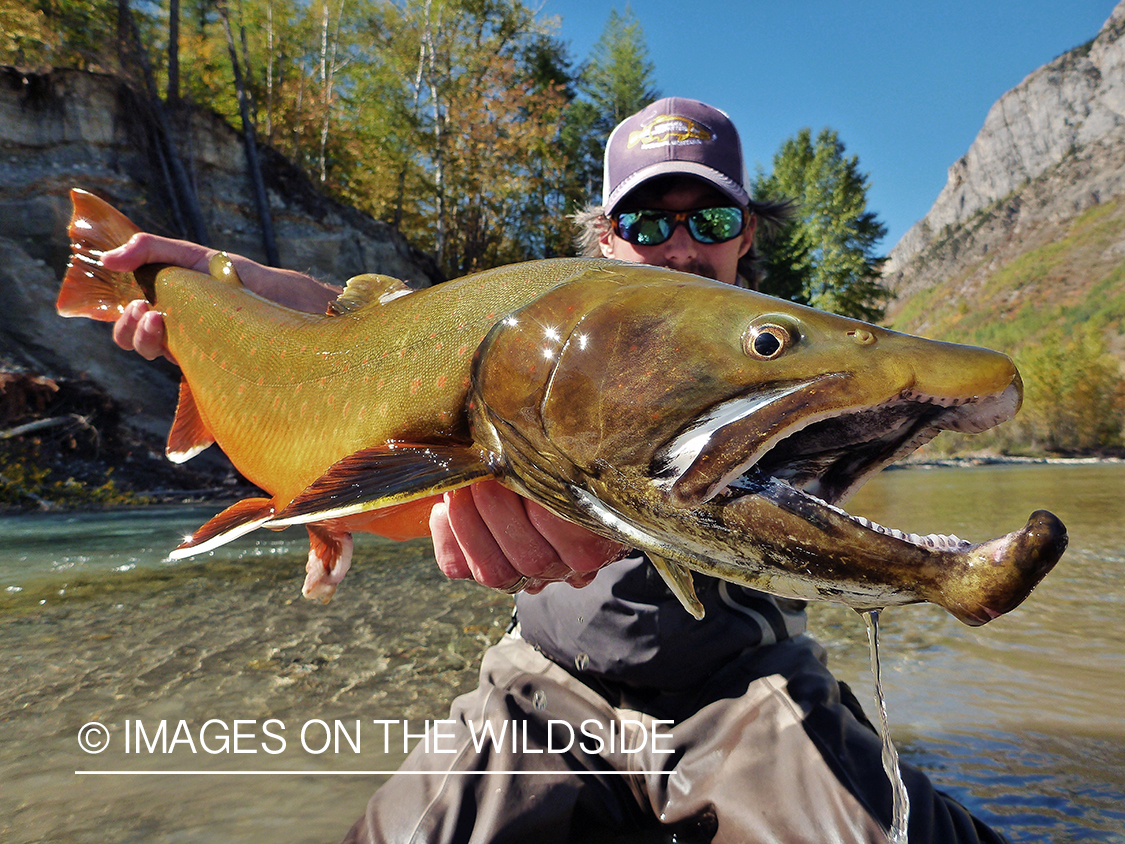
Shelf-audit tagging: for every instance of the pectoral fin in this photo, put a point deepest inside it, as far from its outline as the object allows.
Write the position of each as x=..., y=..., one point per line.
x=678, y=578
x=384, y=476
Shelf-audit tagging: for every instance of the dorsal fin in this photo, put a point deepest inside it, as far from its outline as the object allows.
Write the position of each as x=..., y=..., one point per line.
x=189, y=434
x=366, y=289
x=222, y=269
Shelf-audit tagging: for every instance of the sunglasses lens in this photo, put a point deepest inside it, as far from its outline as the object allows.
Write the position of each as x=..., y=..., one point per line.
x=644, y=228
x=715, y=225
x=707, y=225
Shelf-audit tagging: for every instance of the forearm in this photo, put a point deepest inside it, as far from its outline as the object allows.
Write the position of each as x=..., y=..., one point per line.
x=286, y=287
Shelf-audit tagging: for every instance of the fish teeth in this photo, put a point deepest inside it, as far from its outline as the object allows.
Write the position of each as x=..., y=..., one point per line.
x=937, y=541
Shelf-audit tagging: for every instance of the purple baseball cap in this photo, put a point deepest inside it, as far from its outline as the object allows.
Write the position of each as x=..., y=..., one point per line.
x=674, y=136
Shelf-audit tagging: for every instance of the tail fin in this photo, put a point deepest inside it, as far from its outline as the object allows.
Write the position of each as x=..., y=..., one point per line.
x=89, y=289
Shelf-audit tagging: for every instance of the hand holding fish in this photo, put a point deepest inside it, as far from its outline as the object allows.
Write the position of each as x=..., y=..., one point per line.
x=487, y=533
x=141, y=328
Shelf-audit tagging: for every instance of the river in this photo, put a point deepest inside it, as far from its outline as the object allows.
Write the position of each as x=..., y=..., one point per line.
x=1020, y=719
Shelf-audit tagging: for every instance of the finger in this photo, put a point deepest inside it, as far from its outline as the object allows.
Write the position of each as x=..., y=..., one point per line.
x=525, y=547
x=579, y=549
x=149, y=337
x=483, y=555
x=447, y=551
x=143, y=248
x=125, y=328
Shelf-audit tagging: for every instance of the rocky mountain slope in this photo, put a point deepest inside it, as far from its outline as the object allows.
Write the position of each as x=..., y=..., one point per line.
x=69, y=129
x=1029, y=230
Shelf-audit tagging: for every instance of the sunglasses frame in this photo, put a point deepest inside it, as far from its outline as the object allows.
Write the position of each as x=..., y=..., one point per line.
x=679, y=218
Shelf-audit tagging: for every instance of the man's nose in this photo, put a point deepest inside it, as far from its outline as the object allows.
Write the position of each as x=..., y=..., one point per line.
x=680, y=244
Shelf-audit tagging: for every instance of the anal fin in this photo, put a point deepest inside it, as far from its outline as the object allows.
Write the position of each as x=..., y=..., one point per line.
x=235, y=521
x=189, y=434
x=384, y=476
x=678, y=578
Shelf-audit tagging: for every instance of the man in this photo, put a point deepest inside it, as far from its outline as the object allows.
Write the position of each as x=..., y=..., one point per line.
x=617, y=712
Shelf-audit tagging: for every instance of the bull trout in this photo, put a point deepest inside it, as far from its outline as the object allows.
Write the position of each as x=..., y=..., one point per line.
x=714, y=428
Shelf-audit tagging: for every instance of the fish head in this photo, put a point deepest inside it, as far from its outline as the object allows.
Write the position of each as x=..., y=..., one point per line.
x=720, y=428
x=694, y=384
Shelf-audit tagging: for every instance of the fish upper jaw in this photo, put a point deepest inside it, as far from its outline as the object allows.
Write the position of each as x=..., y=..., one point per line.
x=829, y=452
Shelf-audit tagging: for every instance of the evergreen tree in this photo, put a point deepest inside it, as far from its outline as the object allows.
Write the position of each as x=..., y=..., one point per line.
x=616, y=81
x=825, y=256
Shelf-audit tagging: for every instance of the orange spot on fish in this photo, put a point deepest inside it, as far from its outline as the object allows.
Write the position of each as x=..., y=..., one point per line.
x=441, y=381
x=344, y=411
x=415, y=385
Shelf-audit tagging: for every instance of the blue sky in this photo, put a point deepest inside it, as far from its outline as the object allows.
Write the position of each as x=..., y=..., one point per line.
x=905, y=84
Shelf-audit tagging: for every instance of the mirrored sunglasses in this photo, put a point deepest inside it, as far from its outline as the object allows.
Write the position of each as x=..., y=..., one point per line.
x=705, y=225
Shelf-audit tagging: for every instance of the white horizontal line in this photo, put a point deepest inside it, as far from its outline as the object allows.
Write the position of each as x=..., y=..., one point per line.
x=341, y=773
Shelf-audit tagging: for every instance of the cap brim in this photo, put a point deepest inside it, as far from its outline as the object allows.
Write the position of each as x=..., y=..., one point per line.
x=677, y=168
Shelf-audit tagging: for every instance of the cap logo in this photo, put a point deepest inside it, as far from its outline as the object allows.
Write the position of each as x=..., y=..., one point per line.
x=670, y=130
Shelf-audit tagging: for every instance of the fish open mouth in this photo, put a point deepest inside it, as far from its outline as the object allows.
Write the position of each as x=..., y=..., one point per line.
x=794, y=475
x=821, y=455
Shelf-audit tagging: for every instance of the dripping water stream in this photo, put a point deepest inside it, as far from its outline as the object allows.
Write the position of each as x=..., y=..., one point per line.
x=900, y=799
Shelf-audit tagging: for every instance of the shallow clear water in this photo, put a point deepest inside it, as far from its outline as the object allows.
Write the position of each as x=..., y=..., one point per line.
x=1020, y=720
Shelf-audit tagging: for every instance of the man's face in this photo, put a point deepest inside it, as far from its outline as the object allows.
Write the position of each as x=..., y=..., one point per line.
x=681, y=252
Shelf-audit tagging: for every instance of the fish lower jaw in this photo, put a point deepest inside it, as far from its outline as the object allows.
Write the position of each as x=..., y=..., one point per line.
x=755, y=483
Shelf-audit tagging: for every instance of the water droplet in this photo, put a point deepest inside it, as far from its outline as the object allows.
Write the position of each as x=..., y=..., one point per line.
x=539, y=700
x=582, y=661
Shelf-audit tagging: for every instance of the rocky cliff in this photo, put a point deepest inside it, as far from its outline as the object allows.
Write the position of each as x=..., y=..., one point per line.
x=1050, y=149
x=70, y=129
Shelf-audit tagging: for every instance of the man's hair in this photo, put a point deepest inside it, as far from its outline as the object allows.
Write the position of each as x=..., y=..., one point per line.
x=592, y=224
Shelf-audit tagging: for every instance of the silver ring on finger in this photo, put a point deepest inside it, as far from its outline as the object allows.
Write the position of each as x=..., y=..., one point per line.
x=518, y=585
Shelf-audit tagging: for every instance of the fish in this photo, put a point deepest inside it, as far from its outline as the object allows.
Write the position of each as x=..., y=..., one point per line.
x=717, y=429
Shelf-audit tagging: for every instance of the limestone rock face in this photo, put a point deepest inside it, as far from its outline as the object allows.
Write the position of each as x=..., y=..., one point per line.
x=71, y=129
x=1069, y=113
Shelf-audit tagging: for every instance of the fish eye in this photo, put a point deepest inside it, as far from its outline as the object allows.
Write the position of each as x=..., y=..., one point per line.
x=768, y=341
